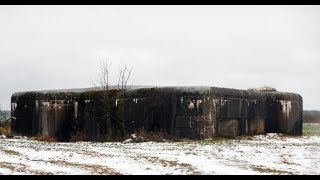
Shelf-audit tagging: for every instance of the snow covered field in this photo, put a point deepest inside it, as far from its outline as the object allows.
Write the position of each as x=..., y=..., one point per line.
x=263, y=154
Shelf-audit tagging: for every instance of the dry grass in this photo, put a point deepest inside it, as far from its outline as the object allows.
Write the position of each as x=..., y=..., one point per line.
x=9, y=166
x=11, y=152
x=262, y=169
x=79, y=136
x=44, y=139
x=172, y=163
x=17, y=167
x=143, y=136
x=96, y=169
x=5, y=128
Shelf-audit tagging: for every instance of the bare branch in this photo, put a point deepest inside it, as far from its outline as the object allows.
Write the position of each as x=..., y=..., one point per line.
x=103, y=79
x=93, y=82
x=120, y=75
x=103, y=75
x=123, y=76
x=127, y=78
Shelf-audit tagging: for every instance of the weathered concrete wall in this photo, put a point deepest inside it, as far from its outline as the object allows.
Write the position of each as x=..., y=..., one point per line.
x=43, y=114
x=187, y=112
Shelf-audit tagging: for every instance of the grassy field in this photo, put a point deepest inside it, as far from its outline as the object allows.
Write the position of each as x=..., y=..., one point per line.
x=311, y=129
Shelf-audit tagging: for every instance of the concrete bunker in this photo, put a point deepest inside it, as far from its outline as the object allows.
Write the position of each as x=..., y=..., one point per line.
x=182, y=112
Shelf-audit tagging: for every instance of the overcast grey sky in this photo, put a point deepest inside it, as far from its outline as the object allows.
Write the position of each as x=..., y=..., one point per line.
x=53, y=47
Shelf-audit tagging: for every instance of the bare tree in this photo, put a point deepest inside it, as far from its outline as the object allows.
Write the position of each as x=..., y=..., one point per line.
x=123, y=79
x=103, y=79
x=111, y=116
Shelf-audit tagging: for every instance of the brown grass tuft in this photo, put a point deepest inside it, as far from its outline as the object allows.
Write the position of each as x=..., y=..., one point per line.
x=44, y=139
x=5, y=128
x=143, y=136
x=79, y=136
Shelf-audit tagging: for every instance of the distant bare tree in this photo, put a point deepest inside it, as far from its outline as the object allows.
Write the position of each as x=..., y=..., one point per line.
x=102, y=80
x=124, y=76
x=3, y=116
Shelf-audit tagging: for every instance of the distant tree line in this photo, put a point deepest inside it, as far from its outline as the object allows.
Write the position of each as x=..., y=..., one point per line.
x=4, y=115
x=311, y=116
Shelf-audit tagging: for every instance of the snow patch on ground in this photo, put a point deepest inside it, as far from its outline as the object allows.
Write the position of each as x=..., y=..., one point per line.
x=262, y=154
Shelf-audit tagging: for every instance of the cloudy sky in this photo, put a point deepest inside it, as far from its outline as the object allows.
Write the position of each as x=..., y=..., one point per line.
x=54, y=47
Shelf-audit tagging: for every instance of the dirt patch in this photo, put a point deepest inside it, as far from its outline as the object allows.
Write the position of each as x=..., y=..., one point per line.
x=14, y=167
x=170, y=163
x=10, y=152
x=18, y=167
x=262, y=169
x=6, y=165
x=96, y=169
x=94, y=154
